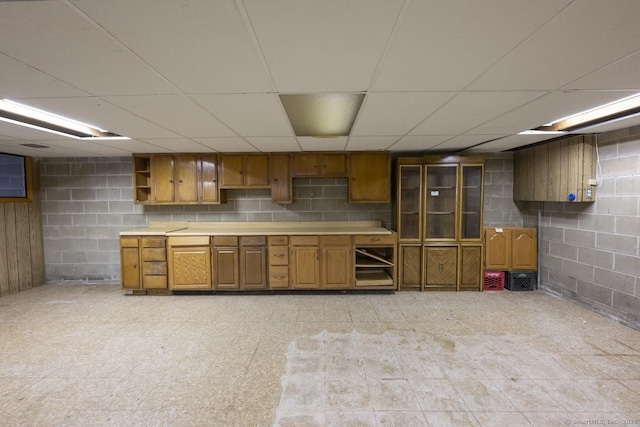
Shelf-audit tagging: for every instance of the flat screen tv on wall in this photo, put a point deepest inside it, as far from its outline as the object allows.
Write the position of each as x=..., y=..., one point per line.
x=15, y=178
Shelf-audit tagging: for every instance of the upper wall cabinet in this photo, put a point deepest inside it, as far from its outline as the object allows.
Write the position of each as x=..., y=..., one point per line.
x=176, y=178
x=557, y=171
x=314, y=165
x=369, y=177
x=244, y=170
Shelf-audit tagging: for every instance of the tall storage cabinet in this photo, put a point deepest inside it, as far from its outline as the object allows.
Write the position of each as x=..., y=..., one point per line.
x=438, y=215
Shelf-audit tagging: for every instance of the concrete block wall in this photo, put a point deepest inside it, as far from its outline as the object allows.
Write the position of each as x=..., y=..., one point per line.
x=590, y=253
x=86, y=202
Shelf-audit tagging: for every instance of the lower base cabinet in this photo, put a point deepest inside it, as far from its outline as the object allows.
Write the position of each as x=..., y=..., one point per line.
x=337, y=269
x=305, y=262
x=440, y=268
x=253, y=267
x=190, y=261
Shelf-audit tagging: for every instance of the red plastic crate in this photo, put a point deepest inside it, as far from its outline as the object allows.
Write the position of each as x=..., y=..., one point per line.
x=493, y=281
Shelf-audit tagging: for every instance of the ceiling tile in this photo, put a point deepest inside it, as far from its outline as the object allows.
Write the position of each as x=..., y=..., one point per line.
x=227, y=145
x=509, y=142
x=322, y=46
x=621, y=74
x=309, y=143
x=468, y=110
x=396, y=113
x=200, y=46
x=418, y=143
x=363, y=143
x=58, y=41
x=444, y=45
x=274, y=143
x=177, y=145
x=573, y=44
x=248, y=114
x=463, y=141
x=178, y=113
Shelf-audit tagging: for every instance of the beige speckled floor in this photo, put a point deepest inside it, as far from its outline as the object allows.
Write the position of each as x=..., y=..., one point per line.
x=87, y=355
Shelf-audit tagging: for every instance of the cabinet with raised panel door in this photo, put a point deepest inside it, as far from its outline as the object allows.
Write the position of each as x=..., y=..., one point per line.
x=175, y=178
x=314, y=165
x=305, y=262
x=438, y=213
x=336, y=262
x=244, y=170
x=281, y=182
x=369, y=177
x=190, y=263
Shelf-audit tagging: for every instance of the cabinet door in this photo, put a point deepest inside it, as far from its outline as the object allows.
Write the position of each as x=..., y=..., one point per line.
x=333, y=165
x=410, y=267
x=256, y=170
x=497, y=249
x=305, y=267
x=185, y=168
x=227, y=268
x=524, y=249
x=190, y=267
x=209, y=179
x=253, y=267
x=231, y=171
x=471, y=268
x=409, y=203
x=441, y=202
x=336, y=267
x=305, y=164
x=441, y=268
x=130, y=267
x=163, y=178
x=471, y=202
x=281, y=185
x=369, y=178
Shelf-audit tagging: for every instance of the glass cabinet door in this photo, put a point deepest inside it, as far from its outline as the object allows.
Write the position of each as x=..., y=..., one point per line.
x=410, y=203
x=441, y=198
x=471, y=219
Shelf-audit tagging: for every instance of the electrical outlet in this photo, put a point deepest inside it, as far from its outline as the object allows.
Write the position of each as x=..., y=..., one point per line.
x=588, y=193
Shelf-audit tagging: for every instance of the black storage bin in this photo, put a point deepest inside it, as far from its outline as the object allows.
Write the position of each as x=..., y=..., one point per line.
x=521, y=280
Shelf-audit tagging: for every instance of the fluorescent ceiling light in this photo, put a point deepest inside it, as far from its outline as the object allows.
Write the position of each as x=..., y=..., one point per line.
x=322, y=115
x=606, y=113
x=23, y=115
x=541, y=132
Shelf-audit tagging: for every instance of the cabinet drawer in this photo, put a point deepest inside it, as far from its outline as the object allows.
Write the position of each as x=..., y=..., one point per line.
x=336, y=240
x=253, y=240
x=225, y=241
x=278, y=240
x=154, y=254
x=154, y=282
x=128, y=242
x=305, y=240
x=279, y=255
x=279, y=277
x=189, y=241
x=382, y=239
x=154, y=268
x=153, y=243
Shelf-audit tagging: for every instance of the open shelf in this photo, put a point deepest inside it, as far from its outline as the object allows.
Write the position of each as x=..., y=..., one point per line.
x=375, y=266
x=375, y=277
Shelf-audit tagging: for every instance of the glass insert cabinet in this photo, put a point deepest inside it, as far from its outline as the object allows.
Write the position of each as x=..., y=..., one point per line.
x=438, y=217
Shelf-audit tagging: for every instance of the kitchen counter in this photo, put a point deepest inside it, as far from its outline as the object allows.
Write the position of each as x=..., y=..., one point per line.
x=261, y=228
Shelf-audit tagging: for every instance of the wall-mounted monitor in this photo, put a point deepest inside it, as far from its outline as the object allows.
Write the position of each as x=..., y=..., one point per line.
x=15, y=178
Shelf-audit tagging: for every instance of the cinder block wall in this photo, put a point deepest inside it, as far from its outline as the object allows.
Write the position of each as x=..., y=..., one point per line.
x=590, y=253
x=86, y=202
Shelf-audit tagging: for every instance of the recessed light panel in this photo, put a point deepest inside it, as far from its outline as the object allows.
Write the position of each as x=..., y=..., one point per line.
x=322, y=115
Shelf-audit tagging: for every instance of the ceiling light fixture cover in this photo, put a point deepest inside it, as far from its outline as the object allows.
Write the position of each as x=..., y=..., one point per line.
x=322, y=115
x=24, y=115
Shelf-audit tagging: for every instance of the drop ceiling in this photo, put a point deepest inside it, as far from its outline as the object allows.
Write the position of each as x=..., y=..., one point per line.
x=202, y=75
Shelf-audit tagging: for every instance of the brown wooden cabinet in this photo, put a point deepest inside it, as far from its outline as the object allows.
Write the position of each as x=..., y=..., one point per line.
x=154, y=262
x=226, y=260
x=244, y=170
x=375, y=261
x=209, y=189
x=305, y=262
x=281, y=183
x=323, y=165
x=511, y=248
x=438, y=209
x=130, y=263
x=190, y=262
x=175, y=178
x=336, y=262
x=253, y=262
x=369, y=177
x=555, y=170
x=142, y=182
x=278, y=252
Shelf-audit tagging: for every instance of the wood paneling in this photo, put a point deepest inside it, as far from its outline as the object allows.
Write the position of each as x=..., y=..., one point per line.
x=21, y=245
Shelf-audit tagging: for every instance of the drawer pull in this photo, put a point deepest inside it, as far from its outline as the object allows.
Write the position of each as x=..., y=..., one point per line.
x=279, y=277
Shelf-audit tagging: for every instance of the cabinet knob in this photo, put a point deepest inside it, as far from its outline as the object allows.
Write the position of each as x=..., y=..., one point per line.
x=179, y=180
x=171, y=181
x=135, y=266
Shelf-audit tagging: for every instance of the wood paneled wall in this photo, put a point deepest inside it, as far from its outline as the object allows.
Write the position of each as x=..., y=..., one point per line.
x=21, y=244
